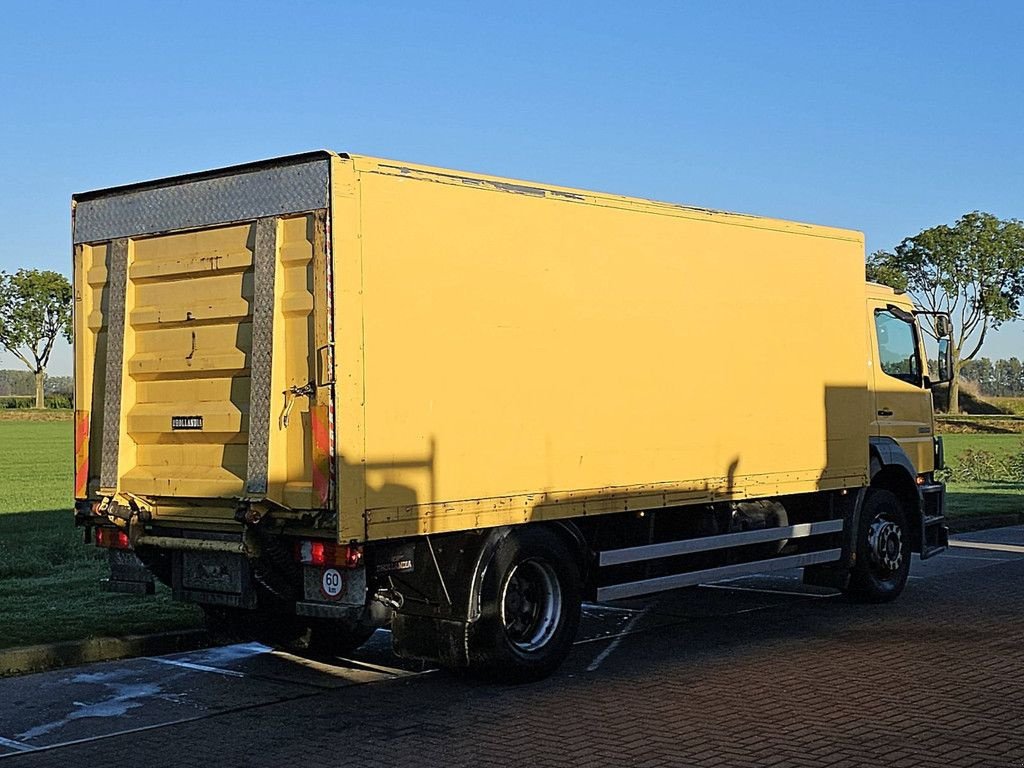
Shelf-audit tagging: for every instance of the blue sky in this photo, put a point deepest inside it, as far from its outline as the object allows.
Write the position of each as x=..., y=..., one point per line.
x=883, y=117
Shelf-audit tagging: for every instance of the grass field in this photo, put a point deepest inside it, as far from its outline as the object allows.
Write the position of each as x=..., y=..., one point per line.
x=49, y=579
x=998, y=445
x=968, y=501
x=1009, y=404
x=36, y=469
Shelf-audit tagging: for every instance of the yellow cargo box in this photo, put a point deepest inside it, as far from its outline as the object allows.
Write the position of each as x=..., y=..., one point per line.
x=408, y=350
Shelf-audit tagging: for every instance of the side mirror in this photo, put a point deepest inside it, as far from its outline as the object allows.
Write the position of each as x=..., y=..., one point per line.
x=942, y=326
x=945, y=362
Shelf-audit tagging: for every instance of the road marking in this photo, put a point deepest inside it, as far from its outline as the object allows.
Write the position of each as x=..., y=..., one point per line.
x=994, y=547
x=368, y=667
x=611, y=608
x=615, y=643
x=25, y=748
x=764, y=591
x=196, y=667
x=978, y=558
x=16, y=745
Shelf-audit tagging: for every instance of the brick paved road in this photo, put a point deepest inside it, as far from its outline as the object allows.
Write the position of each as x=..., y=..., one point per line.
x=709, y=677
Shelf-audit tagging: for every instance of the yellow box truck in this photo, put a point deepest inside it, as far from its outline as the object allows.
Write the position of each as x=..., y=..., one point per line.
x=327, y=392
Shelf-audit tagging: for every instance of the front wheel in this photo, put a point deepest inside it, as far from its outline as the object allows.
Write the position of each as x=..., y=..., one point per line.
x=883, y=550
x=530, y=598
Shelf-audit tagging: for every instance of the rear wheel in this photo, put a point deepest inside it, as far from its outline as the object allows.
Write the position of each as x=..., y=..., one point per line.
x=530, y=598
x=883, y=550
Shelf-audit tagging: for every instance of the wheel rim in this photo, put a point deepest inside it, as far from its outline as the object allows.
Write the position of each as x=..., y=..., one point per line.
x=885, y=545
x=531, y=605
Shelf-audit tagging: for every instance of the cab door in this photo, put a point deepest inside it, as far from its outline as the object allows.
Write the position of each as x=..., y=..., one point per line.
x=902, y=404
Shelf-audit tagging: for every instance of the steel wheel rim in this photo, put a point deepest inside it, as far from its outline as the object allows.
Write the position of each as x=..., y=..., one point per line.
x=885, y=544
x=531, y=605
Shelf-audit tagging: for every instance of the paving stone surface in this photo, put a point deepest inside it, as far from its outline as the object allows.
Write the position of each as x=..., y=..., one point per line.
x=731, y=676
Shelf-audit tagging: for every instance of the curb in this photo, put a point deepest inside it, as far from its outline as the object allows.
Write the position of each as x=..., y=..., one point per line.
x=40, y=658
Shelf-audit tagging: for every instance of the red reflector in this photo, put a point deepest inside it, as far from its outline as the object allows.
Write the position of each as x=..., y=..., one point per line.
x=317, y=553
x=353, y=557
x=112, y=538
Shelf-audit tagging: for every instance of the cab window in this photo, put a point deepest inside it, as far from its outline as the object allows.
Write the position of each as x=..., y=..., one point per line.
x=897, y=347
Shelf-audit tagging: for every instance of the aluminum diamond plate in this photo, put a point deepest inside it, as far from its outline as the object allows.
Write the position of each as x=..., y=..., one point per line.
x=118, y=275
x=264, y=265
x=204, y=202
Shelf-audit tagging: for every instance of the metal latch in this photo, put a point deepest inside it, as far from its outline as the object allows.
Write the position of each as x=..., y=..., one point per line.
x=306, y=390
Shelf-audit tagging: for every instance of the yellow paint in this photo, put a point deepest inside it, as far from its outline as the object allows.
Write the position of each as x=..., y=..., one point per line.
x=504, y=352
x=90, y=353
x=530, y=355
x=911, y=423
x=187, y=345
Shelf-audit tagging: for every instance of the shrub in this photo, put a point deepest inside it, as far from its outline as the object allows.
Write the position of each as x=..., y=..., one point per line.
x=979, y=466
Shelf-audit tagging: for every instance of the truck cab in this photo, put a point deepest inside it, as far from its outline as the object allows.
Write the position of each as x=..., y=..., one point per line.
x=904, y=446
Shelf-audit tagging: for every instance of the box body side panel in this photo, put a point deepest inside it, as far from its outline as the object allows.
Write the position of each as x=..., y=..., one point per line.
x=527, y=357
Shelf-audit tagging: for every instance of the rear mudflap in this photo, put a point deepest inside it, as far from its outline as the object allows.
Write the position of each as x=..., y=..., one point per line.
x=128, y=574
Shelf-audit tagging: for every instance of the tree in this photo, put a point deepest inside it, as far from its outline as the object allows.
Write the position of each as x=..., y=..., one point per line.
x=974, y=270
x=35, y=308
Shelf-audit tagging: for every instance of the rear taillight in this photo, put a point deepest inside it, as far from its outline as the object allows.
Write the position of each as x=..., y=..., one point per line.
x=327, y=553
x=112, y=538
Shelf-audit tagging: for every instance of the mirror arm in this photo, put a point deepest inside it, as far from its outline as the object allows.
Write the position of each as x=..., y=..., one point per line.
x=902, y=314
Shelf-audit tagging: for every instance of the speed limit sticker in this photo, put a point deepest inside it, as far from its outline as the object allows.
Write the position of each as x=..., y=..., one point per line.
x=331, y=583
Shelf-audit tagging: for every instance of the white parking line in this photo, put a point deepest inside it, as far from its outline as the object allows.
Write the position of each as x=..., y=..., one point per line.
x=196, y=667
x=611, y=608
x=16, y=745
x=597, y=662
x=994, y=547
x=764, y=591
x=977, y=557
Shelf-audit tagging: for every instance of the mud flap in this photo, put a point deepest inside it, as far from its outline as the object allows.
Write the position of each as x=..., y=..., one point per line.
x=430, y=639
x=834, y=575
x=127, y=574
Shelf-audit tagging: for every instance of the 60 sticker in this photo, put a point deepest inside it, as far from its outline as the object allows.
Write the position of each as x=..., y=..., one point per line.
x=331, y=583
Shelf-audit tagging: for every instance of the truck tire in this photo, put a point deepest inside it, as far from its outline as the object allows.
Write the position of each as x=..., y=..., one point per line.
x=883, y=550
x=530, y=597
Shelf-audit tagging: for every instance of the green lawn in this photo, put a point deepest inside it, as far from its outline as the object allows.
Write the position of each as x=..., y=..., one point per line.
x=36, y=470
x=1009, y=404
x=975, y=500
x=998, y=445
x=49, y=579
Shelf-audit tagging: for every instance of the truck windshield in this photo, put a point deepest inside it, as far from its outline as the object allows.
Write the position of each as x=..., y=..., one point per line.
x=897, y=347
